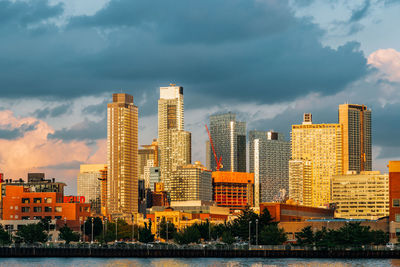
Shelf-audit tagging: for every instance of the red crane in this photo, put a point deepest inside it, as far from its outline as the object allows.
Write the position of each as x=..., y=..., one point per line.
x=218, y=162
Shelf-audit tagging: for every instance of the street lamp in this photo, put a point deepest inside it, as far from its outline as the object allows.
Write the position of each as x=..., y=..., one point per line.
x=249, y=233
x=116, y=229
x=106, y=227
x=65, y=221
x=167, y=231
x=133, y=227
x=84, y=231
x=92, y=230
x=80, y=229
x=209, y=230
x=257, y=232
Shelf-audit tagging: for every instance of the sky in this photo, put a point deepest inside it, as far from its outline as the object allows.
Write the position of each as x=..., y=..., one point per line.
x=269, y=61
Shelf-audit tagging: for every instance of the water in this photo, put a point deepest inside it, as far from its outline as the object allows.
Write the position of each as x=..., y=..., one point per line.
x=210, y=262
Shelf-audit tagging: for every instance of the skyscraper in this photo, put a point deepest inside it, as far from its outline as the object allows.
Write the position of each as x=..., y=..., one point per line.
x=321, y=144
x=89, y=184
x=269, y=161
x=173, y=141
x=300, y=181
x=229, y=139
x=148, y=158
x=357, y=151
x=122, y=156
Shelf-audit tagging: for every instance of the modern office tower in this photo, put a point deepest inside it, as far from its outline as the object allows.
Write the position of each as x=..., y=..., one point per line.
x=191, y=182
x=357, y=144
x=229, y=139
x=174, y=143
x=321, y=144
x=103, y=190
x=154, y=177
x=148, y=157
x=89, y=185
x=300, y=181
x=361, y=196
x=234, y=190
x=122, y=156
x=269, y=161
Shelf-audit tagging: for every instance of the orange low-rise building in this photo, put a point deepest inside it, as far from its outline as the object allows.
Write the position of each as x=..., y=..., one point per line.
x=233, y=190
x=20, y=203
x=281, y=212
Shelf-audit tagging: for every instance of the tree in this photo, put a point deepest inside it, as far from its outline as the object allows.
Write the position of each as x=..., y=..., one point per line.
x=228, y=238
x=31, y=233
x=272, y=235
x=45, y=222
x=305, y=237
x=4, y=236
x=68, y=235
x=188, y=235
x=145, y=234
x=379, y=237
x=163, y=229
x=97, y=226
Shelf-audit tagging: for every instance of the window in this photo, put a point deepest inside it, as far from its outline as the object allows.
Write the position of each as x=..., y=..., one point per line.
x=396, y=202
x=47, y=209
x=58, y=209
x=37, y=200
x=25, y=200
x=48, y=200
x=37, y=209
x=397, y=219
x=87, y=209
x=57, y=217
x=25, y=217
x=47, y=217
x=25, y=209
x=37, y=217
x=397, y=231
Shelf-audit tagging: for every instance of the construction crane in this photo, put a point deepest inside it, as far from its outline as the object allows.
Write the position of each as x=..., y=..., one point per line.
x=218, y=162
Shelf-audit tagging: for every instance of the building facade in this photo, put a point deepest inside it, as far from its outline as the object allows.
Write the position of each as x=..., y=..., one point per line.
x=300, y=182
x=174, y=143
x=122, y=156
x=361, y=196
x=148, y=158
x=357, y=137
x=89, y=184
x=234, y=190
x=321, y=144
x=229, y=139
x=394, y=192
x=269, y=161
x=191, y=182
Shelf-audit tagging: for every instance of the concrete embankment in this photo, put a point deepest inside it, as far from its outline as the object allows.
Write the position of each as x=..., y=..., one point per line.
x=191, y=253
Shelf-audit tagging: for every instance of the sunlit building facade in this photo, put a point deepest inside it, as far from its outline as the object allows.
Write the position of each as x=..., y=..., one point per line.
x=321, y=144
x=362, y=195
x=357, y=137
x=269, y=161
x=229, y=139
x=148, y=158
x=89, y=185
x=300, y=182
x=122, y=156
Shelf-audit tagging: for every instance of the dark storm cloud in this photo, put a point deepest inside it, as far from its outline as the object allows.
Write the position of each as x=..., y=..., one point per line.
x=97, y=109
x=239, y=50
x=52, y=112
x=86, y=130
x=10, y=133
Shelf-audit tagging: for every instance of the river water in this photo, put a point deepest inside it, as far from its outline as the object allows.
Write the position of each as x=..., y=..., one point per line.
x=211, y=262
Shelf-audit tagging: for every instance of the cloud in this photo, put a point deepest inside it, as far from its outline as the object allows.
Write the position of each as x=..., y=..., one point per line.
x=388, y=62
x=52, y=112
x=361, y=12
x=9, y=132
x=97, y=109
x=85, y=130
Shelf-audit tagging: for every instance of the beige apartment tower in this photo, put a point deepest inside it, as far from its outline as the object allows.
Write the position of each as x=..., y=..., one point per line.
x=174, y=143
x=361, y=196
x=300, y=182
x=122, y=156
x=321, y=145
x=357, y=137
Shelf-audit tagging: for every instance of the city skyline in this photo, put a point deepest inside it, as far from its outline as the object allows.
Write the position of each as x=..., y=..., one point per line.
x=62, y=63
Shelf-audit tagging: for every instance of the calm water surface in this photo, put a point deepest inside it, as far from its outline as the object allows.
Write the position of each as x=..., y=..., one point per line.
x=122, y=262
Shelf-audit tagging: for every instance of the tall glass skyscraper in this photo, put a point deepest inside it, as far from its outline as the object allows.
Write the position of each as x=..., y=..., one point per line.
x=229, y=139
x=122, y=156
x=269, y=161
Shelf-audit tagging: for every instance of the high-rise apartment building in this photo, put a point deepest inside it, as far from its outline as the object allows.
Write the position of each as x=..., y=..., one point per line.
x=191, y=182
x=362, y=195
x=300, y=181
x=229, y=139
x=122, y=156
x=357, y=144
x=103, y=191
x=148, y=158
x=174, y=143
x=269, y=161
x=394, y=193
x=321, y=144
x=89, y=184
